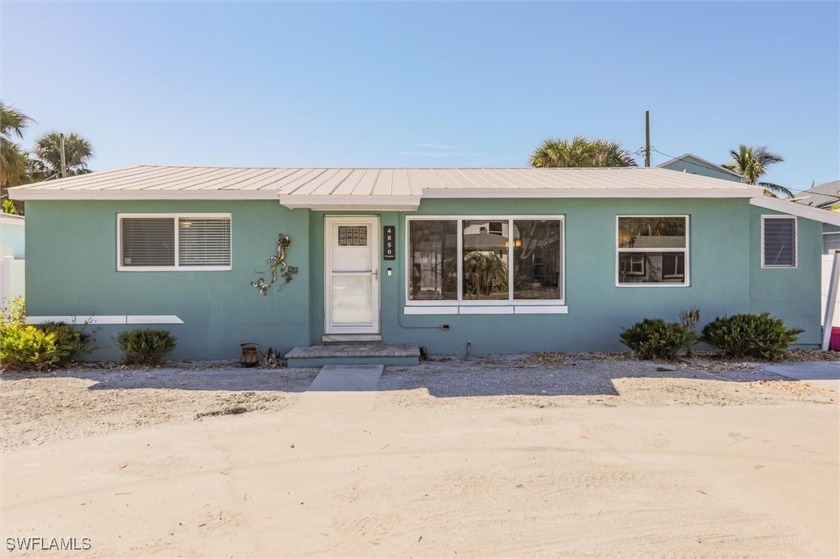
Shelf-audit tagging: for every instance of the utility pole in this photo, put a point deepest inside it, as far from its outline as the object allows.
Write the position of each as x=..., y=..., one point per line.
x=61, y=149
x=647, y=138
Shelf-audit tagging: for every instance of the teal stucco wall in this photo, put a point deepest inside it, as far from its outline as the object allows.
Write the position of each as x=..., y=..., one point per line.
x=725, y=278
x=792, y=294
x=71, y=270
x=597, y=308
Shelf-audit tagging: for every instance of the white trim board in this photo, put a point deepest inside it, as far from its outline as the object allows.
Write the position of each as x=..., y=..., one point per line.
x=799, y=210
x=735, y=192
x=495, y=309
x=108, y=319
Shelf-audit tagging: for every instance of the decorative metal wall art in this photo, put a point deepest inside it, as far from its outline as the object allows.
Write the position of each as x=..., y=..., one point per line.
x=277, y=263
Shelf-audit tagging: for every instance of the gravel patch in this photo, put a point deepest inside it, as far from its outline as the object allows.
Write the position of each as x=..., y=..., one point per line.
x=99, y=398
x=553, y=379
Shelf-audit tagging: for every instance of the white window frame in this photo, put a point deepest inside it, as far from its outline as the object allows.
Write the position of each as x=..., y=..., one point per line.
x=474, y=306
x=175, y=217
x=618, y=250
x=766, y=266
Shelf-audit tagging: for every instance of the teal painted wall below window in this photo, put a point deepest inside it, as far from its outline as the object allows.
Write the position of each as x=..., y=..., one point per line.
x=789, y=293
x=723, y=278
x=597, y=309
x=71, y=270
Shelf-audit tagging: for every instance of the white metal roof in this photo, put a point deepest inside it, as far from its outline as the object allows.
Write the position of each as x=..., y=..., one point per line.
x=383, y=188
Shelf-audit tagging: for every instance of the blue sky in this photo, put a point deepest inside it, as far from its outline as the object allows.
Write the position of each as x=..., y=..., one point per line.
x=426, y=84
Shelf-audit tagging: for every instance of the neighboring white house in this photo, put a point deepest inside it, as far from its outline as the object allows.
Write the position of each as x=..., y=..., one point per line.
x=12, y=253
x=827, y=197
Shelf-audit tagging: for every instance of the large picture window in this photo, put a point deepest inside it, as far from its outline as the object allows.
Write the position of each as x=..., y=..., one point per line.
x=433, y=258
x=173, y=242
x=652, y=250
x=485, y=259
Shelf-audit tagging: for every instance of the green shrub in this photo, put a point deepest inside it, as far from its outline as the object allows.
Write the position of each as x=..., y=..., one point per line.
x=144, y=346
x=25, y=347
x=760, y=336
x=69, y=342
x=653, y=338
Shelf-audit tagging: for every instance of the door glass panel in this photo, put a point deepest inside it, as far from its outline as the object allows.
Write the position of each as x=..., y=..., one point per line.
x=352, y=253
x=351, y=299
x=352, y=236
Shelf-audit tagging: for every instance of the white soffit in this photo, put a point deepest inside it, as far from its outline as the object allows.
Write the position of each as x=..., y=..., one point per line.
x=799, y=210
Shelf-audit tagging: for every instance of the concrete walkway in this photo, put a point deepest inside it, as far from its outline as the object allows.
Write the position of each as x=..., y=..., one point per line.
x=341, y=389
x=825, y=374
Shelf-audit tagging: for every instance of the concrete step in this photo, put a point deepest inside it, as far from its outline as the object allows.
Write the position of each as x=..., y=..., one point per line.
x=353, y=354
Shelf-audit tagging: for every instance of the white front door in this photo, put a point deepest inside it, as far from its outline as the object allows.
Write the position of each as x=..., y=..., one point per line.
x=352, y=275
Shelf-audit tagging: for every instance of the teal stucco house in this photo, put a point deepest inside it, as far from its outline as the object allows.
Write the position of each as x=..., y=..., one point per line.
x=455, y=260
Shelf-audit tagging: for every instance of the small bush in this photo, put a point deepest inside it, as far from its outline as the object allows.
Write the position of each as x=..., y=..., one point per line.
x=26, y=347
x=144, y=346
x=653, y=338
x=760, y=336
x=69, y=342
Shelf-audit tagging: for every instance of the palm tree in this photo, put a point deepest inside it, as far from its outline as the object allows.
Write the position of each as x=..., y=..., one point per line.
x=47, y=162
x=751, y=163
x=581, y=152
x=13, y=159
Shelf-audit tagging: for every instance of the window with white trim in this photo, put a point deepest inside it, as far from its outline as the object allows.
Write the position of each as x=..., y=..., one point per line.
x=147, y=242
x=778, y=241
x=485, y=260
x=652, y=250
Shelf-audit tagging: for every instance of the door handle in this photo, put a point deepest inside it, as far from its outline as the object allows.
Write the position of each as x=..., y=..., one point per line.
x=375, y=273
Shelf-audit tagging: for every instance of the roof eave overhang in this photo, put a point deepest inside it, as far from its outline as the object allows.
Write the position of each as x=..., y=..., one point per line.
x=736, y=192
x=51, y=194
x=799, y=210
x=337, y=203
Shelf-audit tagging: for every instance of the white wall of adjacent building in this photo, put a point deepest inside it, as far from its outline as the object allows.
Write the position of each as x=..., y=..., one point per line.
x=827, y=262
x=12, y=254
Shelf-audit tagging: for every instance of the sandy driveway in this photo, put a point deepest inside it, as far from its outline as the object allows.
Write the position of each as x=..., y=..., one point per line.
x=601, y=460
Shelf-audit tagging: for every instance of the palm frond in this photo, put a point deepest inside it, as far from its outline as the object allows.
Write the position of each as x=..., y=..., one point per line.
x=12, y=121
x=776, y=189
x=751, y=162
x=581, y=152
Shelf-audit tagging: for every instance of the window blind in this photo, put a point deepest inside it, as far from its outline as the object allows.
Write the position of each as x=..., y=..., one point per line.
x=148, y=242
x=779, y=242
x=203, y=242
